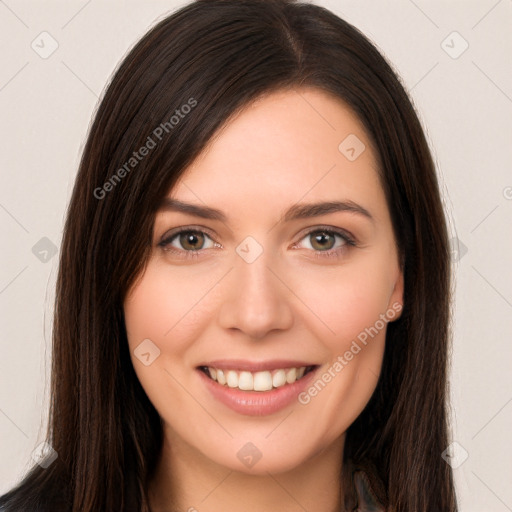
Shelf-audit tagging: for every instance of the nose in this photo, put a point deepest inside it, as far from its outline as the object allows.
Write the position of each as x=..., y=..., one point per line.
x=256, y=301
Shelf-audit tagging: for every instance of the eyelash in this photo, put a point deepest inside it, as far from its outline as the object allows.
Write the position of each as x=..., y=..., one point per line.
x=349, y=241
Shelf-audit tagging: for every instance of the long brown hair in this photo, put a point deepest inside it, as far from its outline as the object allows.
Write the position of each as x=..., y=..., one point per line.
x=216, y=57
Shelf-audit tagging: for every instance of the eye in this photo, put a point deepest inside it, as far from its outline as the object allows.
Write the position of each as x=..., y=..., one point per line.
x=187, y=241
x=327, y=242
x=191, y=242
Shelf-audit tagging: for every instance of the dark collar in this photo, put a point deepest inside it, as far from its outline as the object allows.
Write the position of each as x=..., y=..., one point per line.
x=363, y=488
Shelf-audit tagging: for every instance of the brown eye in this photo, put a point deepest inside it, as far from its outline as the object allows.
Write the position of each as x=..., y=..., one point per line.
x=187, y=240
x=192, y=240
x=326, y=242
x=322, y=240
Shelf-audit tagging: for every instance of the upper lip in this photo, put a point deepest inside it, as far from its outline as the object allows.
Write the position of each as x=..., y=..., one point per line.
x=255, y=366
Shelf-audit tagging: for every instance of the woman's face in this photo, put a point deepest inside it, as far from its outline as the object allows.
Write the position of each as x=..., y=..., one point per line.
x=280, y=287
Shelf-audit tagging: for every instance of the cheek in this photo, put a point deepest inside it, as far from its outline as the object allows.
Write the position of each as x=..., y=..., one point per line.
x=346, y=300
x=349, y=303
x=168, y=309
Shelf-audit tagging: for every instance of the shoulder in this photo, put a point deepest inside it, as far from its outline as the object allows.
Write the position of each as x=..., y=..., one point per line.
x=19, y=500
x=39, y=491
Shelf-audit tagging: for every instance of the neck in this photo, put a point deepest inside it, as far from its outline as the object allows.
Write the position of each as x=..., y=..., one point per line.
x=185, y=480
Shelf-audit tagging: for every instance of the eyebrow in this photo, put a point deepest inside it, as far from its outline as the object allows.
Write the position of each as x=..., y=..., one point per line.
x=297, y=211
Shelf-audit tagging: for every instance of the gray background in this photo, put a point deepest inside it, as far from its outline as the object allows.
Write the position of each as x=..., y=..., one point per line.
x=464, y=100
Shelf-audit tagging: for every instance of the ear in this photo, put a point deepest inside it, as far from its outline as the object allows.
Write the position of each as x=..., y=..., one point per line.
x=396, y=301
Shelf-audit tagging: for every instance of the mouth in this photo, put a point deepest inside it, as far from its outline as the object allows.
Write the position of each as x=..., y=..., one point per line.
x=256, y=388
x=261, y=381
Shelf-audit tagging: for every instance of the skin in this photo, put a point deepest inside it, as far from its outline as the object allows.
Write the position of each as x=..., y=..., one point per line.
x=287, y=304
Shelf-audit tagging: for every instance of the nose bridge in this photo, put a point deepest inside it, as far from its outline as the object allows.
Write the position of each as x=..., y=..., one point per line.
x=257, y=301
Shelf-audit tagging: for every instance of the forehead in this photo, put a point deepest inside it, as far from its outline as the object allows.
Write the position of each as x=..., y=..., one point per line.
x=288, y=146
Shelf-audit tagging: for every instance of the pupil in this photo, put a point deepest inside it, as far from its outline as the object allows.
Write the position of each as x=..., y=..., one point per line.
x=190, y=239
x=322, y=240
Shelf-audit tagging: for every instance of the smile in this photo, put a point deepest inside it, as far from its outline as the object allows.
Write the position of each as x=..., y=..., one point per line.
x=256, y=388
x=256, y=381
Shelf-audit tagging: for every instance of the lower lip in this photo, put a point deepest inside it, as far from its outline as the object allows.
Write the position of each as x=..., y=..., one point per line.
x=257, y=403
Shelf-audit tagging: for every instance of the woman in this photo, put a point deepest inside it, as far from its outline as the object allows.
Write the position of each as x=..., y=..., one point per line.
x=209, y=353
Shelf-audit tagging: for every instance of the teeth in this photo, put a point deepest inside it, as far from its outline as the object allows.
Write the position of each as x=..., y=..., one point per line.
x=232, y=378
x=245, y=381
x=221, y=379
x=279, y=379
x=262, y=381
x=291, y=375
x=257, y=381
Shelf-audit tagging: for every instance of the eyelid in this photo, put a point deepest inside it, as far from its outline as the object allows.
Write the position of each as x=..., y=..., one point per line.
x=346, y=235
x=165, y=241
x=176, y=231
x=212, y=234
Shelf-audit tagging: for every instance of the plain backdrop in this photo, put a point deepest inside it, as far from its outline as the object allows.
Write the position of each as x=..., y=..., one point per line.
x=454, y=58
